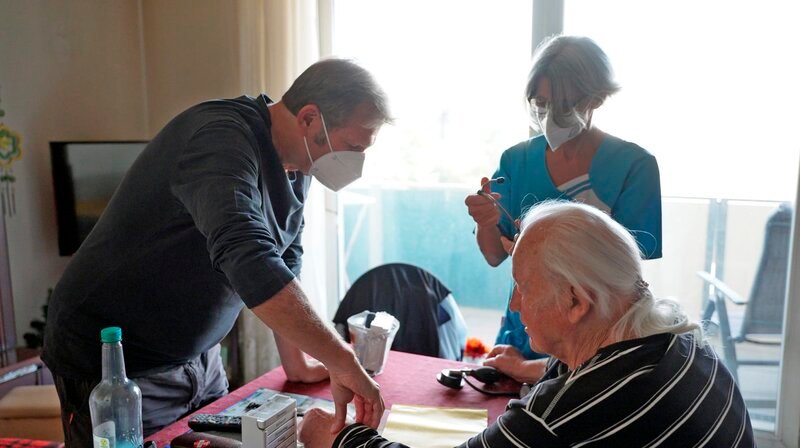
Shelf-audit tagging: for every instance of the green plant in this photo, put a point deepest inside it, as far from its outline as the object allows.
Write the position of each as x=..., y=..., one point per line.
x=35, y=339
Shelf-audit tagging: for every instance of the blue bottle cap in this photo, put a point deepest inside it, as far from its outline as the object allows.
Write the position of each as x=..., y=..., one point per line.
x=111, y=335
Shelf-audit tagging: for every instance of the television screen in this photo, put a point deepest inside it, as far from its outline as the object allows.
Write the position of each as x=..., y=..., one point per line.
x=85, y=176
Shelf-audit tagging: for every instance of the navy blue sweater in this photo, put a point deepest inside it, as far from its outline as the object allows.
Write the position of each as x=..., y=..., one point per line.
x=206, y=220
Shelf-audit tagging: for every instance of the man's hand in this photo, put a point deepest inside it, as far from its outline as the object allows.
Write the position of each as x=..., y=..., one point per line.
x=299, y=329
x=352, y=383
x=482, y=210
x=510, y=361
x=313, y=430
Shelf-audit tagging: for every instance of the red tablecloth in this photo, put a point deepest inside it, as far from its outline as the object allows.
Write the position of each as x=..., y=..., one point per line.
x=407, y=379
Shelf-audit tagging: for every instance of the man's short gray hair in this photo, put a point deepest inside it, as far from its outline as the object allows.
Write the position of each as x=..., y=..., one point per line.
x=583, y=248
x=578, y=71
x=337, y=87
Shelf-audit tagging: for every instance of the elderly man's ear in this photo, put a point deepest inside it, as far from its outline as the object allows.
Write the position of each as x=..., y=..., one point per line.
x=580, y=306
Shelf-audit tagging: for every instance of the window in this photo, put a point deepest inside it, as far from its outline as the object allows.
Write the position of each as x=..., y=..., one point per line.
x=708, y=87
x=455, y=72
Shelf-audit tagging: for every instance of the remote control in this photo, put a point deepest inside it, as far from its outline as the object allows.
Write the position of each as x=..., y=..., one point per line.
x=215, y=422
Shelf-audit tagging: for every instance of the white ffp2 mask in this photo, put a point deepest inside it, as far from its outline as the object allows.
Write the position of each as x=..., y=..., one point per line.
x=335, y=169
x=555, y=134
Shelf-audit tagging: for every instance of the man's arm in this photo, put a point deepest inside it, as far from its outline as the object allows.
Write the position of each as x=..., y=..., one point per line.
x=311, y=432
x=293, y=255
x=290, y=315
x=516, y=427
x=297, y=365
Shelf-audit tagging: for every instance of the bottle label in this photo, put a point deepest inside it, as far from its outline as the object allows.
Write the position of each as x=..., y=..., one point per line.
x=104, y=435
x=102, y=442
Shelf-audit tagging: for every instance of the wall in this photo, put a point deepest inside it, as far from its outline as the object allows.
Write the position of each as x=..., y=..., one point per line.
x=97, y=70
x=68, y=71
x=192, y=53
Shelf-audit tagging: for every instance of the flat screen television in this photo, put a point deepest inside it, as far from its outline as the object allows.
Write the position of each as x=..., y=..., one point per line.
x=85, y=176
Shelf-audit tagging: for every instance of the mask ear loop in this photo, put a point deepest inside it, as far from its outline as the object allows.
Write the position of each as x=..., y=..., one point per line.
x=536, y=123
x=325, y=129
x=328, y=139
x=590, y=103
x=305, y=142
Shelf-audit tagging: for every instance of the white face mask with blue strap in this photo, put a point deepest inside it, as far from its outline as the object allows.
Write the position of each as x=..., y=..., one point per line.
x=335, y=169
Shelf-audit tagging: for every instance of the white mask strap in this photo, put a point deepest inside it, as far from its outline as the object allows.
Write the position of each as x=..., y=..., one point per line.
x=325, y=129
x=305, y=142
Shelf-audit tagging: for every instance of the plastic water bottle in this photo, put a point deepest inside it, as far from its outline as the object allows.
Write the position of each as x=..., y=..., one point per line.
x=116, y=403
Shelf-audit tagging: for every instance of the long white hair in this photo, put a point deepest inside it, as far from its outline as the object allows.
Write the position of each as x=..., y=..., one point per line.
x=586, y=249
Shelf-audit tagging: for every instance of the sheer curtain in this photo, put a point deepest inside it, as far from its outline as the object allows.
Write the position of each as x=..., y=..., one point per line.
x=278, y=40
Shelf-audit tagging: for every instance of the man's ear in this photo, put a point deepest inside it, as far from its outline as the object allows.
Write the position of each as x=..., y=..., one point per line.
x=306, y=115
x=580, y=305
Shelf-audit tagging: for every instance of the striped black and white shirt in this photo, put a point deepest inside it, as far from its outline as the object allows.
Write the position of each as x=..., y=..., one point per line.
x=658, y=391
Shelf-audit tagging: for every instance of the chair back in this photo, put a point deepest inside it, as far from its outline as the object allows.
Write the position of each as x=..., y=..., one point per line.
x=409, y=293
x=764, y=314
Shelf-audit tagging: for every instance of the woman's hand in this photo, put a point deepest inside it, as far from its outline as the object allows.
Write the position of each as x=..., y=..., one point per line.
x=482, y=210
x=510, y=361
x=314, y=430
x=486, y=215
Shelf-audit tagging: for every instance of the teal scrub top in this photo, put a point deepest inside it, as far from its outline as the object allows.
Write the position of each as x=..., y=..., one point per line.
x=623, y=180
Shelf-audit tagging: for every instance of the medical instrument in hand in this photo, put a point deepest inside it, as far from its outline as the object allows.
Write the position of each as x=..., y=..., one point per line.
x=455, y=379
x=498, y=180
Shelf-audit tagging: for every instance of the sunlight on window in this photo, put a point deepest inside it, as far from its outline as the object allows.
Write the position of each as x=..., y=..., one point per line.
x=710, y=88
x=454, y=72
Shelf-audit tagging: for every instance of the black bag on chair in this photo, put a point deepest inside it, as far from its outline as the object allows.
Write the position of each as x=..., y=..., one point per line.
x=409, y=293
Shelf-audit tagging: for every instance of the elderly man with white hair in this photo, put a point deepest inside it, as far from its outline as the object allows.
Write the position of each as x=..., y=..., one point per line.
x=626, y=369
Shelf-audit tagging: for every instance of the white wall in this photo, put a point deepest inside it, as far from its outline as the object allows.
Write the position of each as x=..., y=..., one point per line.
x=97, y=70
x=192, y=54
x=68, y=71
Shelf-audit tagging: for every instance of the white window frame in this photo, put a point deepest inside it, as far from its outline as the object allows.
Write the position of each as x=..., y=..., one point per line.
x=333, y=223
x=787, y=425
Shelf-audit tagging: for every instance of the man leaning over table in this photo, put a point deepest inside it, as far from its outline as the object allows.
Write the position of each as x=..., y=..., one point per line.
x=209, y=219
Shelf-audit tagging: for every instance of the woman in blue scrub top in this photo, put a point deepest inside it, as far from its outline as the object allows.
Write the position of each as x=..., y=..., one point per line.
x=571, y=160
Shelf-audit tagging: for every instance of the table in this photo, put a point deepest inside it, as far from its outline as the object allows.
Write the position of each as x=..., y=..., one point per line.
x=407, y=379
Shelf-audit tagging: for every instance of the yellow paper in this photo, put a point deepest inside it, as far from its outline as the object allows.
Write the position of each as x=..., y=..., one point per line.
x=432, y=427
